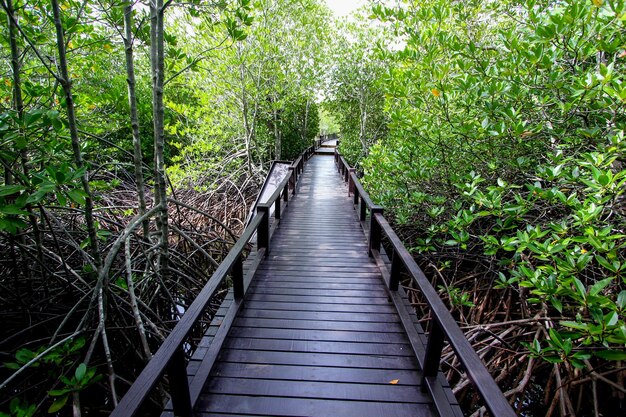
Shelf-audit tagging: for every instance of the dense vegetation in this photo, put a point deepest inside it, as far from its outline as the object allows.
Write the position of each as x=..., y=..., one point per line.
x=134, y=136
x=502, y=160
x=133, y=139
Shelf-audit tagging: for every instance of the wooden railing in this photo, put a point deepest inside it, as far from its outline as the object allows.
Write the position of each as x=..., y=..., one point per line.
x=442, y=327
x=324, y=138
x=170, y=357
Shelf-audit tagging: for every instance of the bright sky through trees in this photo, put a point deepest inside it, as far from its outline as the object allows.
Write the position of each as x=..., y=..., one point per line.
x=344, y=7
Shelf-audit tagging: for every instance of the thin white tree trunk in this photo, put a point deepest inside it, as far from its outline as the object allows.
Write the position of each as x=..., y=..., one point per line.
x=158, y=68
x=66, y=83
x=134, y=118
x=244, y=110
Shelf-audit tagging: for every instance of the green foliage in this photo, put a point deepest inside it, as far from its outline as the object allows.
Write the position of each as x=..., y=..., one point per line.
x=231, y=70
x=561, y=237
x=519, y=159
x=55, y=364
x=299, y=127
x=61, y=356
x=328, y=124
x=257, y=103
x=17, y=408
x=82, y=378
x=57, y=182
x=458, y=297
x=356, y=92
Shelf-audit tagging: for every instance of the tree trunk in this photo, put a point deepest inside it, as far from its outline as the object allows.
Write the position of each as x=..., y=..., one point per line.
x=278, y=143
x=17, y=89
x=134, y=119
x=363, y=121
x=18, y=103
x=244, y=109
x=305, y=125
x=158, y=67
x=66, y=83
x=138, y=162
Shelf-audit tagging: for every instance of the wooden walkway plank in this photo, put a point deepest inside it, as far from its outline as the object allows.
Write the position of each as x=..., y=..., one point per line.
x=279, y=406
x=317, y=334
x=321, y=335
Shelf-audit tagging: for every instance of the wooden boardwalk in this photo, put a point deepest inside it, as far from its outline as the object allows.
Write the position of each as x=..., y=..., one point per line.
x=312, y=326
x=317, y=335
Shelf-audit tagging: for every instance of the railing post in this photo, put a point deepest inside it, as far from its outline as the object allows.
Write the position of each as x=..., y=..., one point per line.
x=237, y=273
x=277, y=209
x=374, y=241
x=292, y=178
x=263, y=232
x=355, y=196
x=350, y=181
x=286, y=192
x=432, y=357
x=362, y=210
x=179, y=385
x=394, y=273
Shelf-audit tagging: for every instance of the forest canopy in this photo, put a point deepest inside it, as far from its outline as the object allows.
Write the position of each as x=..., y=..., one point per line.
x=494, y=136
x=134, y=137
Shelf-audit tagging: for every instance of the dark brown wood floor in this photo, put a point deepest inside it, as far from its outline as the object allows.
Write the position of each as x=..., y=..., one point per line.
x=317, y=335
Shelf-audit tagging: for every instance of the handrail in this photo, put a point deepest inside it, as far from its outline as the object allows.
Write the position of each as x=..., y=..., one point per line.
x=324, y=138
x=443, y=325
x=170, y=356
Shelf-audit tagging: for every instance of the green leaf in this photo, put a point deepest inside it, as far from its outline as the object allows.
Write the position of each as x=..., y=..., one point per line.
x=556, y=303
x=77, y=344
x=605, y=263
x=58, y=404
x=57, y=124
x=59, y=392
x=10, y=189
x=599, y=286
x=61, y=199
x=36, y=197
x=12, y=365
x=621, y=299
x=603, y=179
x=611, y=355
x=32, y=117
x=80, y=372
x=580, y=287
x=611, y=319
x=11, y=225
x=24, y=355
x=556, y=338
x=77, y=196
x=574, y=325
x=12, y=210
